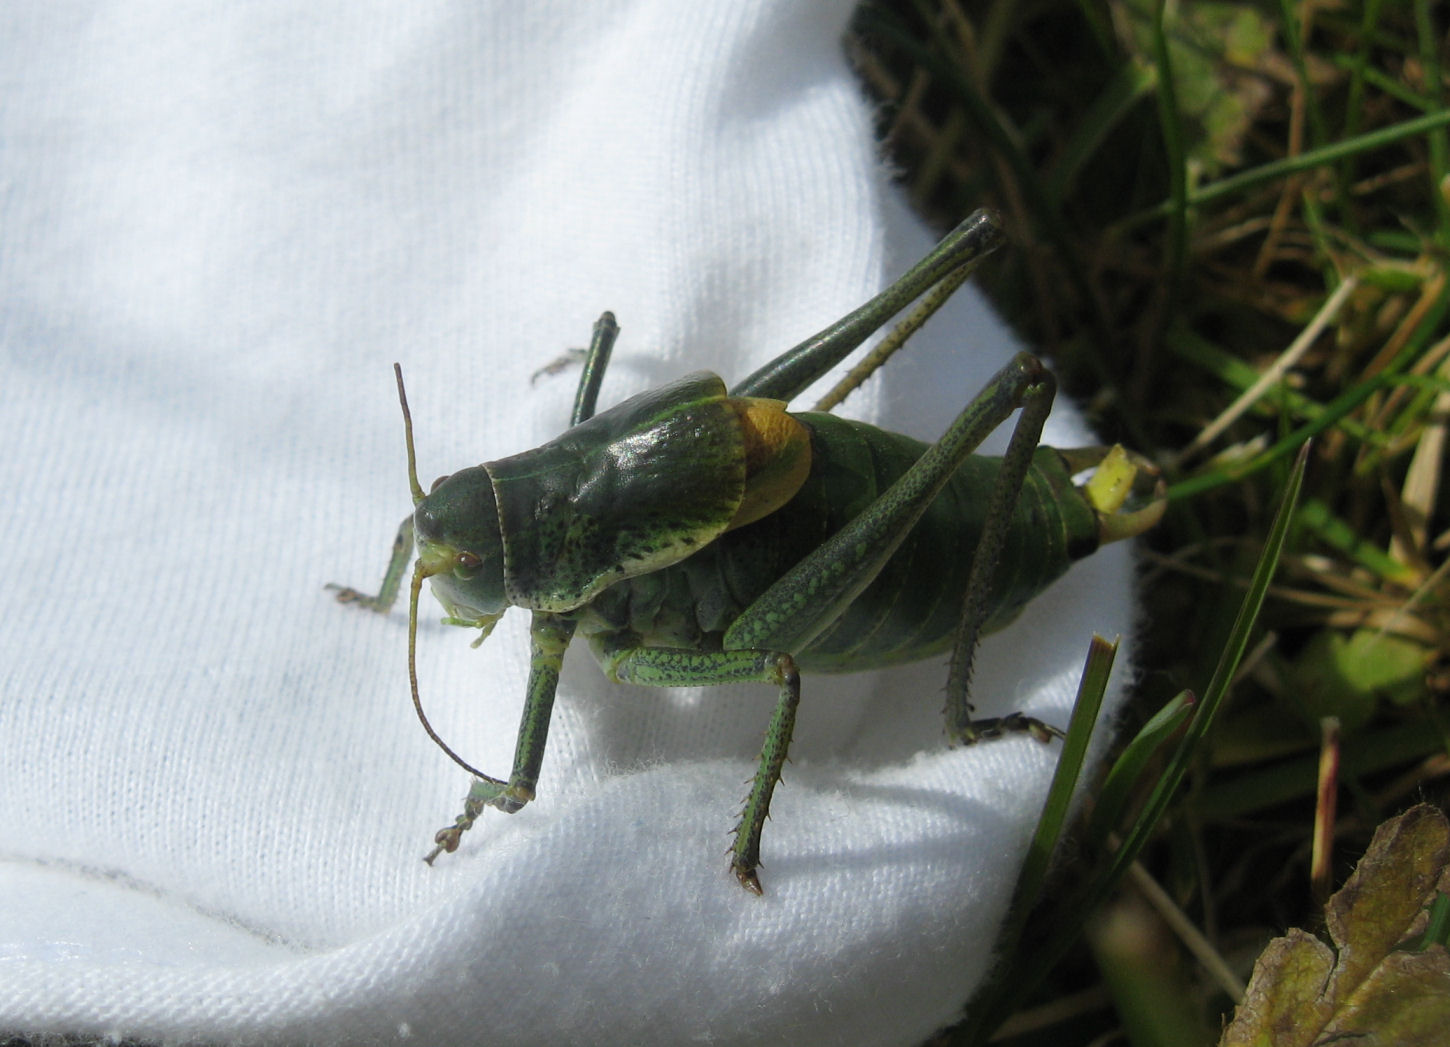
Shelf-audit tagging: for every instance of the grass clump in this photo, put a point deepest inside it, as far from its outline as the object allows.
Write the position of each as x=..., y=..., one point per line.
x=1231, y=223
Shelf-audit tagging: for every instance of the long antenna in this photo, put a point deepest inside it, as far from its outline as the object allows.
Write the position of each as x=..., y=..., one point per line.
x=408, y=434
x=419, y=573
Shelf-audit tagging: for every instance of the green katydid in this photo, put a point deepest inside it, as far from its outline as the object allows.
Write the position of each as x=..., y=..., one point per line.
x=699, y=536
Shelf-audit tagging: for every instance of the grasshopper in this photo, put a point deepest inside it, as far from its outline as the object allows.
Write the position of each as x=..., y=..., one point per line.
x=699, y=536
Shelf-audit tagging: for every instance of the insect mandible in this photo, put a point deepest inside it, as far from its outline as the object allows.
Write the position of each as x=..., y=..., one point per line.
x=698, y=536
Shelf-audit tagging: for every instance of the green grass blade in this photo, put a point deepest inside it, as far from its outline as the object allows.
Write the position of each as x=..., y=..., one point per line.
x=1306, y=161
x=1117, y=100
x=1336, y=409
x=1218, y=686
x=1093, y=685
x=1127, y=772
x=1171, y=125
x=1055, y=809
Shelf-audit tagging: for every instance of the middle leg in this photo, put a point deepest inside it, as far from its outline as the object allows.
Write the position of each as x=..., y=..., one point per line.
x=671, y=667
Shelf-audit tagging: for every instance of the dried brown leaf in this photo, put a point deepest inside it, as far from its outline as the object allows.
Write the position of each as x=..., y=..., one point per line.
x=1369, y=990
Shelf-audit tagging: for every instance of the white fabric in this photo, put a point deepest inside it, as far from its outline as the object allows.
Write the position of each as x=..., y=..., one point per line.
x=221, y=224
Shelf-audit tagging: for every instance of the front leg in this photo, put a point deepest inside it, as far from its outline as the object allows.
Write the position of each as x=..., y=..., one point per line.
x=670, y=667
x=549, y=636
x=392, y=578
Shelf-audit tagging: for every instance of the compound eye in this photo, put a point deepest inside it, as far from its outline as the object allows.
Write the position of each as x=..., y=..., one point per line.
x=438, y=482
x=466, y=566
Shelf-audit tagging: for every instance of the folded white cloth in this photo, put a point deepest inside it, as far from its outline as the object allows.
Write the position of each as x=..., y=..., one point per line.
x=221, y=226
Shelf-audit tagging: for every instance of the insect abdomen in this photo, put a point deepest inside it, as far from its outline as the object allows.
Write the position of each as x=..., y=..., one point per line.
x=910, y=611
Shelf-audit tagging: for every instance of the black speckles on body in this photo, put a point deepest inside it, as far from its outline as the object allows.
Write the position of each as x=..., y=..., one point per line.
x=614, y=498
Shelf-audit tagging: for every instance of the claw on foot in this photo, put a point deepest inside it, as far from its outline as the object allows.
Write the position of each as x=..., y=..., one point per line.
x=1012, y=723
x=747, y=877
x=447, y=841
x=347, y=594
